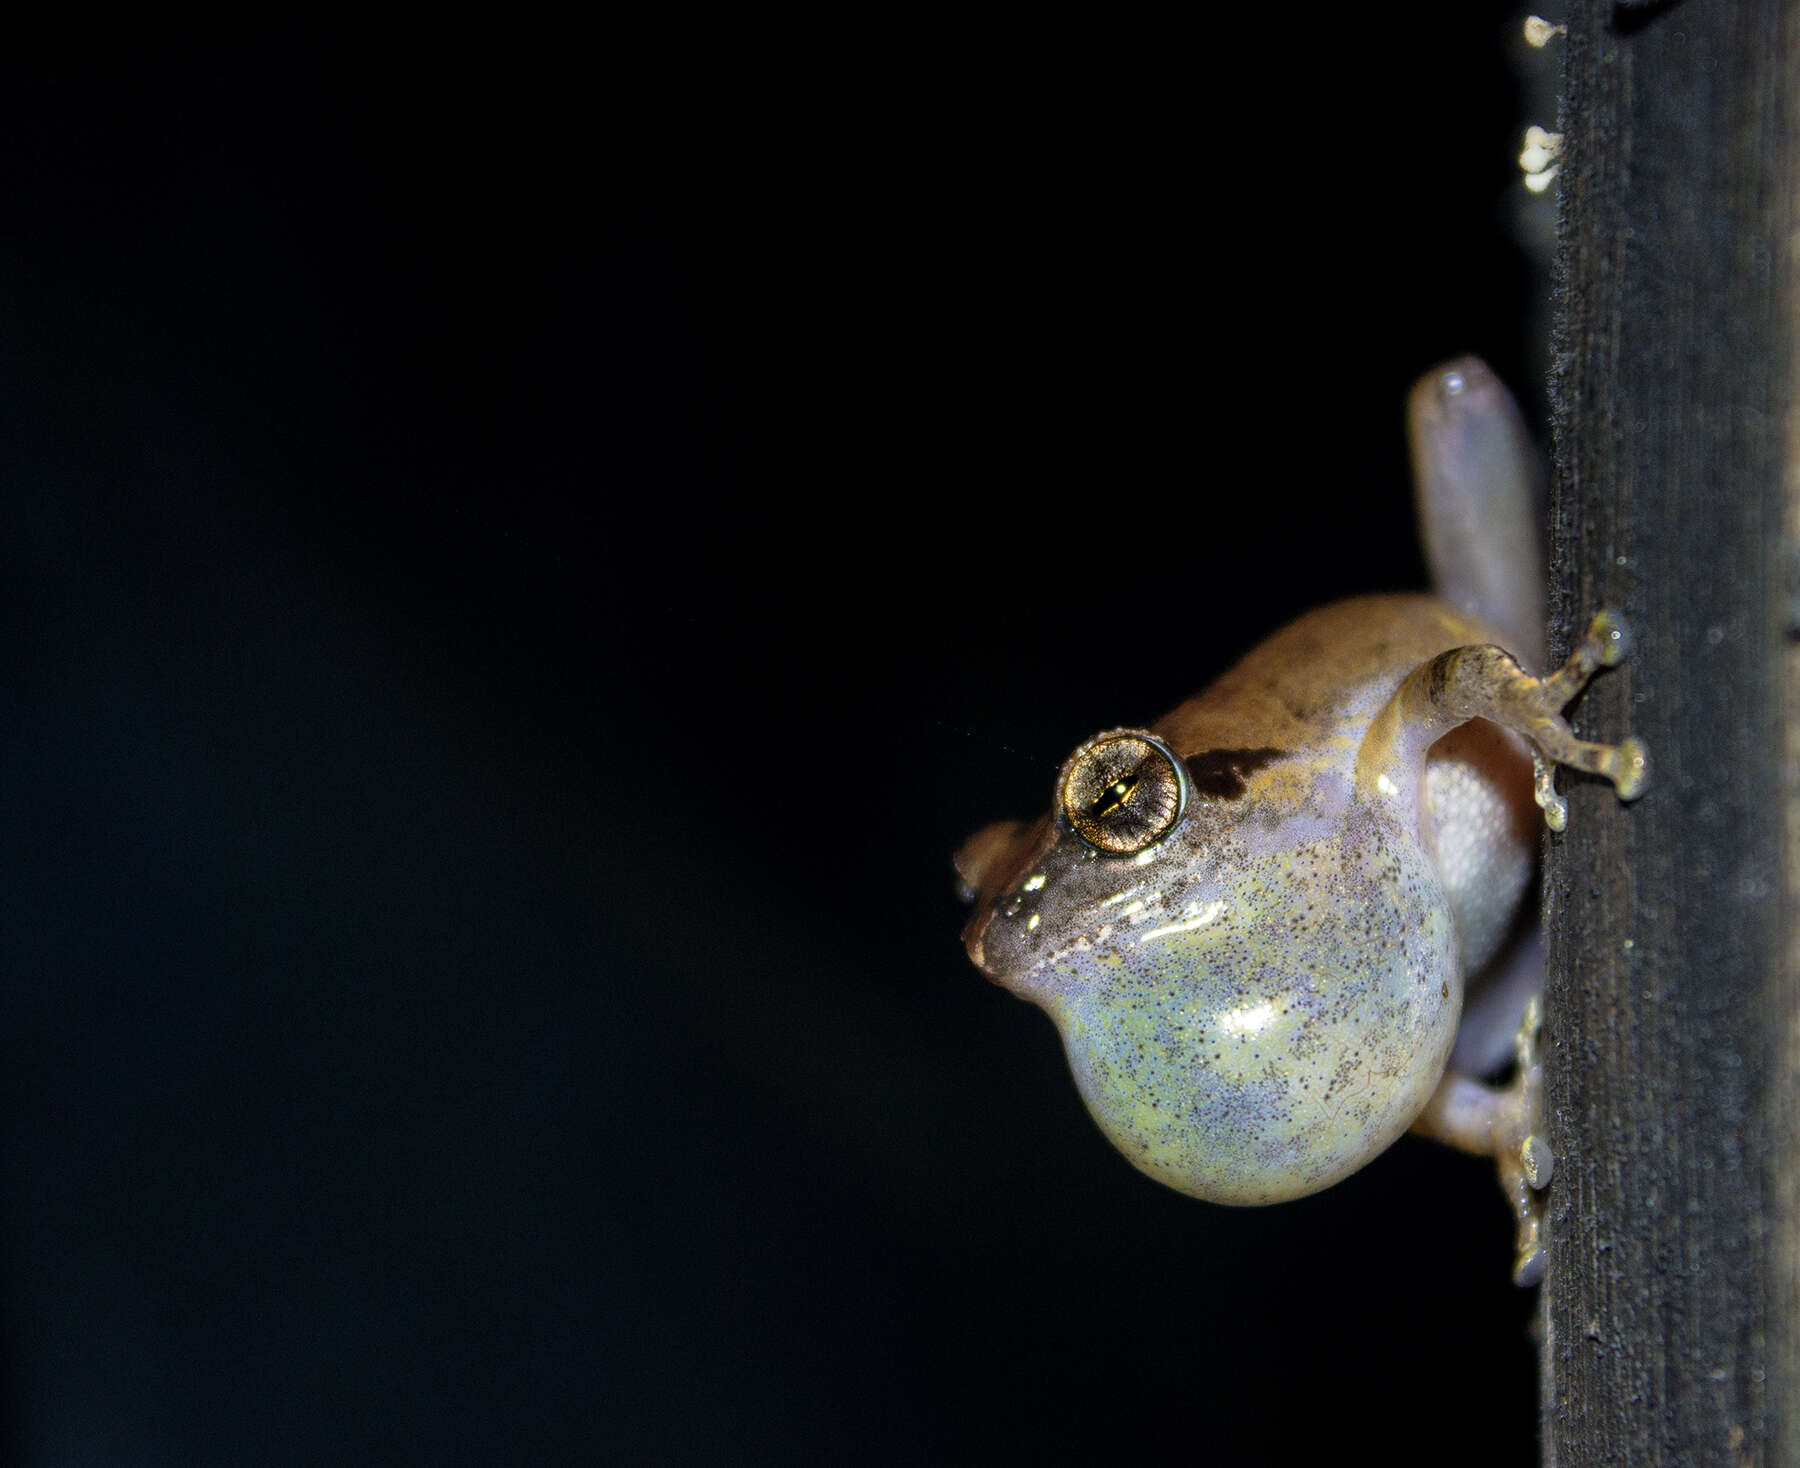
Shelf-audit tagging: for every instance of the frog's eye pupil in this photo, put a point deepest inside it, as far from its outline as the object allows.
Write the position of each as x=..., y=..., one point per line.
x=1121, y=791
x=1112, y=797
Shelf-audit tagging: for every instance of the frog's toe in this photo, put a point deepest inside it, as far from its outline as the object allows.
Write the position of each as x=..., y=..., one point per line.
x=1532, y=1260
x=1633, y=768
x=1537, y=1160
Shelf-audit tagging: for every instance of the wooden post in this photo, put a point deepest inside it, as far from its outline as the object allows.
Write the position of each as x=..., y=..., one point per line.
x=1673, y=1006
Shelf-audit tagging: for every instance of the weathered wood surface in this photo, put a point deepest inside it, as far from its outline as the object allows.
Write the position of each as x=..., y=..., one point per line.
x=1673, y=1008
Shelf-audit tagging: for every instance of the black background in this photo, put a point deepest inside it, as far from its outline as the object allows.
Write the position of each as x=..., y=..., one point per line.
x=523, y=555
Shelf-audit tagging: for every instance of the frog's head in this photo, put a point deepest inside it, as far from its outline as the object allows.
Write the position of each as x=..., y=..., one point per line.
x=1256, y=984
x=1037, y=885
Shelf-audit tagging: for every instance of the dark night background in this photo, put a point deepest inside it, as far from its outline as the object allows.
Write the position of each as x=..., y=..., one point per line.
x=523, y=555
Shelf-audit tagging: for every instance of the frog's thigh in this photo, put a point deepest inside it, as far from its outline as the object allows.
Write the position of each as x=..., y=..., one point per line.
x=1482, y=826
x=1487, y=683
x=1476, y=475
x=1493, y=1004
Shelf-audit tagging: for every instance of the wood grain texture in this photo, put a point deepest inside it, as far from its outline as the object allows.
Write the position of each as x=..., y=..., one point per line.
x=1671, y=1015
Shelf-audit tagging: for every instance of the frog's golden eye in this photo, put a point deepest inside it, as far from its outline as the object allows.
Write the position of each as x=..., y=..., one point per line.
x=1121, y=791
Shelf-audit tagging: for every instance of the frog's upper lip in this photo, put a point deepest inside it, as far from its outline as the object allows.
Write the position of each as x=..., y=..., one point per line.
x=974, y=931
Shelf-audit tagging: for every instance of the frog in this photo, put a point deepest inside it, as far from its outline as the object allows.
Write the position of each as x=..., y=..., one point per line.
x=1282, y=926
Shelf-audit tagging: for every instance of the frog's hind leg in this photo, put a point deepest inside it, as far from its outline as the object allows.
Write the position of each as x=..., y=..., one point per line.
x=1478, y=480
x=1488, y=683
x=1505, y=1123
x=1494, y=999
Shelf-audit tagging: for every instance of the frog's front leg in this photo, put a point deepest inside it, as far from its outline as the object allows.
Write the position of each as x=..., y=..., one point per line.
x=1505, y=1123
x=1488, y=683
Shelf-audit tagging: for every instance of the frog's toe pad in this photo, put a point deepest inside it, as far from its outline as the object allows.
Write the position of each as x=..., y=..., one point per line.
x=1529, y=1266
x=1632, y=771
x=1609, y=634
x=1538, y=1161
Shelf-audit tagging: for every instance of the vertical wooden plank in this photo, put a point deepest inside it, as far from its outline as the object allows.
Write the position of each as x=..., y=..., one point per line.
x=1672, y=997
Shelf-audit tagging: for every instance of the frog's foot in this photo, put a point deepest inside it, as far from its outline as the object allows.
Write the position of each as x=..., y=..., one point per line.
x=1505, y=1123
x=1488, y=683
x=1626, y=764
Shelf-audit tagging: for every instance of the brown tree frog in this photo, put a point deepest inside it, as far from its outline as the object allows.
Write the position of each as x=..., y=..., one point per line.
x=1253, y=921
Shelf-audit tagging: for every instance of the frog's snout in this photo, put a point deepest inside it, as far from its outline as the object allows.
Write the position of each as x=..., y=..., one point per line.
x=972, y=934
x=986, y=865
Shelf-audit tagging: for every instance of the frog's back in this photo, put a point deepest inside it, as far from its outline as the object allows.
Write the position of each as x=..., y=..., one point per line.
x=1320, y=680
